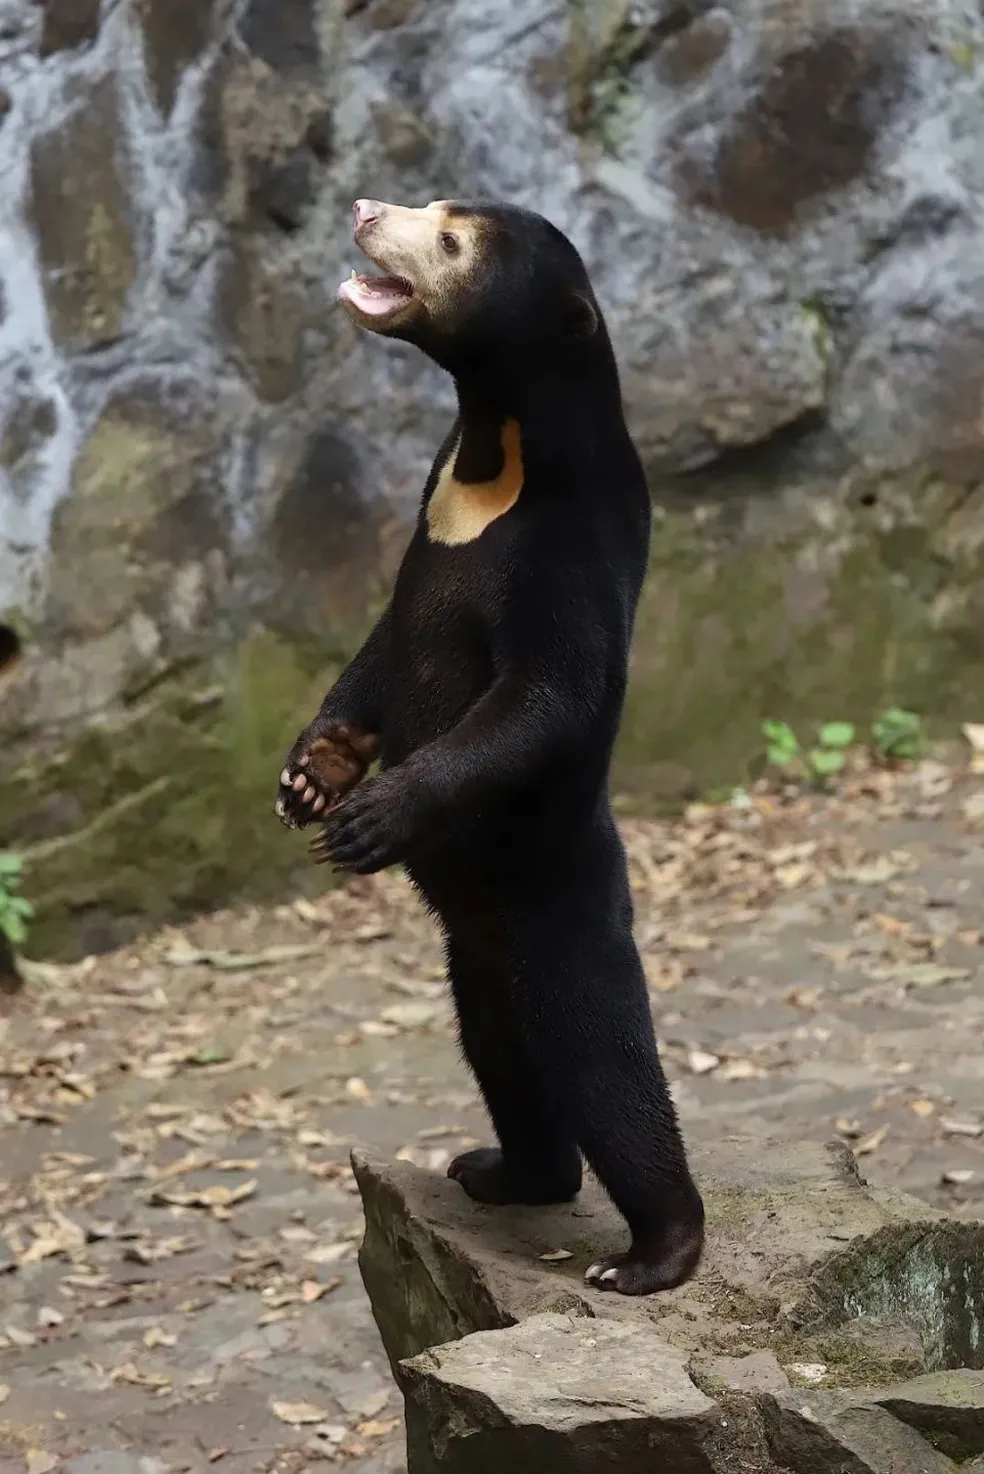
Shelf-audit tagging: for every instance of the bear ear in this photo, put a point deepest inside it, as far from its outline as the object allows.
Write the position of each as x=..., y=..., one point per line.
x=581, y=317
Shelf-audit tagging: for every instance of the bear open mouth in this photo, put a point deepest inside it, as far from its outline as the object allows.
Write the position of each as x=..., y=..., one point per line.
x=376, y=296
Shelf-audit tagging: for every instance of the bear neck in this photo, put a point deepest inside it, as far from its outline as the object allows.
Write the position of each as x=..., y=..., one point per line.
x=564, y=408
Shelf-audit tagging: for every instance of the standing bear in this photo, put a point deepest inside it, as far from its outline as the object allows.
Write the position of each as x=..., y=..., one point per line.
x=491, y=691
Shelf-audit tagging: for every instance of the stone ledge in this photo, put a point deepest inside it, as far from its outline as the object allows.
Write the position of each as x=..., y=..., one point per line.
x=823, y=1329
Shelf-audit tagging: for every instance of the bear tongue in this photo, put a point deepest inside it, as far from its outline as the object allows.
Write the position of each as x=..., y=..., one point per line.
x=375, y=295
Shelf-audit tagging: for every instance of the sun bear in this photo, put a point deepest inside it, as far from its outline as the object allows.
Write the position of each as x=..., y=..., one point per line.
x=491, y=691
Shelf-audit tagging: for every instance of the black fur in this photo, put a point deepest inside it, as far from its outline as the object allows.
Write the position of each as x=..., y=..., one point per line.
x=495, y=681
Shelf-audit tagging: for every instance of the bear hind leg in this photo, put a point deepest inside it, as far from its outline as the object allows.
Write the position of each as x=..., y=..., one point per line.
x=537, y=1161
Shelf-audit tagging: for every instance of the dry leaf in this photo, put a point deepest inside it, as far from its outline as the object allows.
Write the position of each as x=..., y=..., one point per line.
x=357, y=1089
x=374, y=1428
x=702, y=1063
x=961, y=1128
x=922, y=1107
x=39, y=1462
x=871, y=1143
x=556, y=1256
x=312, y=1290
x=930, y=975
x=958, y=1176
x=18, y=1337
x=328, y=1253
x=740, y=1069
x=411, y=1015
x=687, y=941
x=184, y=956
x=156, y=1337
x=298, y=1414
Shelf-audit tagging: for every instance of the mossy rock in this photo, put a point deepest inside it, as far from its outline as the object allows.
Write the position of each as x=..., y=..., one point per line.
x=168, y=812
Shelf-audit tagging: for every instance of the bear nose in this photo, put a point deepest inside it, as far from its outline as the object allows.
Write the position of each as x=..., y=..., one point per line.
x=365, y=212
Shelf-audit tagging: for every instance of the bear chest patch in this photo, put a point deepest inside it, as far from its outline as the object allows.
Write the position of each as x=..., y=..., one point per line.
x=460, y=511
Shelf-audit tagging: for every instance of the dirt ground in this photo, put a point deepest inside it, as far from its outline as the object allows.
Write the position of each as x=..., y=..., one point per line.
x=178, y=1285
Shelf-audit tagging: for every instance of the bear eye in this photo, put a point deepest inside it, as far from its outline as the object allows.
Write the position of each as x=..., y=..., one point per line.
x=449, y=242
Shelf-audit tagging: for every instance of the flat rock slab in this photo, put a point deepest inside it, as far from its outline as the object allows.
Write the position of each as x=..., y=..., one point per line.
x=570, y=1396
x=946, y=1407
x=834, y=1431
x=815, y=1336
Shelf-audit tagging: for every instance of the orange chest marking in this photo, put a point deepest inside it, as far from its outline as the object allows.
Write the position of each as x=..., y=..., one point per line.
x=460, y=511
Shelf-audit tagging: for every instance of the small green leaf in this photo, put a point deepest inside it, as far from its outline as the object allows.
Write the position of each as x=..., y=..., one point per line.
x=899, y=733
x=782, y=744
x=836, y=734
x=10, y=864
x=210, y=1056
x=781, y=733
x=826, y=761
x=20, y=906
x=13, y=929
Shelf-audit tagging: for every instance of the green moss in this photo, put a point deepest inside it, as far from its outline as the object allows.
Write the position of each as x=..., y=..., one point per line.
x=172, y=814
x=820, y=330
x=604, y=43
x=965, y=54
x=830, y=615
x=929, y=1278
x=850, y=1362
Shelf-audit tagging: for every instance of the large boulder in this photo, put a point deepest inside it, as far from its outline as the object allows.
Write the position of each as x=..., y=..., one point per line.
x=832, y=1326
x=779, y=207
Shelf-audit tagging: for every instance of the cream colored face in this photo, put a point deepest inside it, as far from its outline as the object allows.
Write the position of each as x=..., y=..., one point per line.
x=428, y=255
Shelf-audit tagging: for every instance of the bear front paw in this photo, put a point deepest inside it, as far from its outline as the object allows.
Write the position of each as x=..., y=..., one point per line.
x=322, y=766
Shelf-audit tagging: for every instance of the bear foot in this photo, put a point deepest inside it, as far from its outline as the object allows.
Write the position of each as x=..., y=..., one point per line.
x=660, y=1262
x=487, y=1177
x=319, y=772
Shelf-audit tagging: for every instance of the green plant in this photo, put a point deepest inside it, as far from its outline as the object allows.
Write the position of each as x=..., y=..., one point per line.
x=899, y=734
x=782, y=745
x=820, y=762
x=15, y=910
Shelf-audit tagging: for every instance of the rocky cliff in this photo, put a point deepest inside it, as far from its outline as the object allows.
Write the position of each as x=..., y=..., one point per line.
x=206, y=476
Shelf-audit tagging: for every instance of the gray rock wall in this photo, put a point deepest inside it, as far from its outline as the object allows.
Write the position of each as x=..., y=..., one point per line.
x=780, y=202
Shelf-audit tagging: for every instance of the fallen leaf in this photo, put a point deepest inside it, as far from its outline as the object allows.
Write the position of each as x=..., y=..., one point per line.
x=328, y=1253
x=974, y=733
x=39, y=1462
x=958, y=1176
x=411, y=1015
x=556, y=1256
x=313, y=1290
x=870, y=1143
x=687, y=941
x=297, y=1414
x=922, y=1107
x=931, y=975
x=156, y=1337
x=133, y=1376
x=961, y=1128
x=374, y=1428
x=185, y=956
x=357, y=1089
x=740, y=1069
x=17, y=1337
x=702, y=1063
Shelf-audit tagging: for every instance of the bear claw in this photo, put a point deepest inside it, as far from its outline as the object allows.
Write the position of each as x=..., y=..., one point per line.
x=312, y=780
